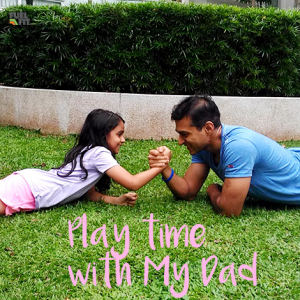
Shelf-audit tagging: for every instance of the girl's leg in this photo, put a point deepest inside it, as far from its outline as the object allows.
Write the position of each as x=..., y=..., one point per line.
x=2, y=208
x=17, y=195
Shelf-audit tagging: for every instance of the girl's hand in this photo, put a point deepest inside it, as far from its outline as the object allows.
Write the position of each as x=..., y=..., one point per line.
x=127, y=199
x=159, y=157
x=163, y=150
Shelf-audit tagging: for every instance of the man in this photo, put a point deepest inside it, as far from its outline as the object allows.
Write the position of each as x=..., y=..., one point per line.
x=249, y=163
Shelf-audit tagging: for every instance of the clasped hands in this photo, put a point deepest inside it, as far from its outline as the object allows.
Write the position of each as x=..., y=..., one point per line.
x=157, y=157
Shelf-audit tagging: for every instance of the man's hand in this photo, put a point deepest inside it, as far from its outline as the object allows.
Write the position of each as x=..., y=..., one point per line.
x=214, y=192
x=126, y=199
x=156, y=156
x=214, y=188
x=229, y=199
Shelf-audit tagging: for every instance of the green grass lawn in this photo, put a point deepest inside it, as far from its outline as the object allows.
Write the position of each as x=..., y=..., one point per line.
x=35, y=249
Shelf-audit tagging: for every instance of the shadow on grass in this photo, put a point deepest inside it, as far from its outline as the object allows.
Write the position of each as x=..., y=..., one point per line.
x=268, y=205
x=257, y=204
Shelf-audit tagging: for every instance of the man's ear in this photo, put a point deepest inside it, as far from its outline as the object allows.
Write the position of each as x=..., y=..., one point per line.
x=209, y=127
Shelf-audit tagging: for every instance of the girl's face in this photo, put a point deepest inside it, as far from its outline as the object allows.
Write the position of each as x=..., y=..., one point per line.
x=115, y=138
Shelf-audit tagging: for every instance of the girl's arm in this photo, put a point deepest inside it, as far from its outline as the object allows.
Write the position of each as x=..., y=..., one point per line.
x=135, y=182
x=126, y=199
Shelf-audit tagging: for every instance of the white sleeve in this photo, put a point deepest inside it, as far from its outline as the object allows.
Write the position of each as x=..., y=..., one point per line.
x=104, y=160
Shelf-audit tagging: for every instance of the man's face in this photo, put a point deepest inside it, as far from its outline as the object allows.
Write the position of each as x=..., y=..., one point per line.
x=195, y=140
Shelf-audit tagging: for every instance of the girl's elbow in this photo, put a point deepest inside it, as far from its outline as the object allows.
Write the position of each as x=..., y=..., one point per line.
x=89, y=195
x=132, y=185
x=134, y=189
x=93, y=197
x=131, y=188
x=135, y=186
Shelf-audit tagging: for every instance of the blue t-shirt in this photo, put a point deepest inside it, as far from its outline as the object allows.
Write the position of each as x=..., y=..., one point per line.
x=274, y=170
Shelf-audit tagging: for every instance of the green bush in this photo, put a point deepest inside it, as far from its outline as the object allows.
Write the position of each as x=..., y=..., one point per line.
x=153, y=48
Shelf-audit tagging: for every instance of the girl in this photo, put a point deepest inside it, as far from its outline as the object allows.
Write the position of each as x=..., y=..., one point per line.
x=90, y=164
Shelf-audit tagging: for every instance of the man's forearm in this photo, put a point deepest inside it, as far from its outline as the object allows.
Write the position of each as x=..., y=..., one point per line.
x=177, y=185
x=226, y=202
x=214, y=192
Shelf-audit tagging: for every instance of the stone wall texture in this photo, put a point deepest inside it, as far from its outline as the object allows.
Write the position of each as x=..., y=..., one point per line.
x=146, y=116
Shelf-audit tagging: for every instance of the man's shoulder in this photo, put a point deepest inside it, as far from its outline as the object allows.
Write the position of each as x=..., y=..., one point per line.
x=241, y=141
x=230, y=131
x=239, y=135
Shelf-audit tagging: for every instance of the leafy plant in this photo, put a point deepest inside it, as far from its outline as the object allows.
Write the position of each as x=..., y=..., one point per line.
x=152, y=47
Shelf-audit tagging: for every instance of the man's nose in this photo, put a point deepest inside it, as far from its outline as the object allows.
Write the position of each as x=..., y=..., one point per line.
x=180, y=140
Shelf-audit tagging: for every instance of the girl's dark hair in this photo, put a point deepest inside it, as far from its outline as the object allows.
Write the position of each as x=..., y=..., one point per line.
x=98, y=124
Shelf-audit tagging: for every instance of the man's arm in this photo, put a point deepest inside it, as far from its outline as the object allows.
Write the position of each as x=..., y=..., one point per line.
x=229, y=199
x=186, y=187
x=192, y=181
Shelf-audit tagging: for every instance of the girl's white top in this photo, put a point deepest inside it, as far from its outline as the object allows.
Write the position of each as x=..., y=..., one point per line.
x=49, y=189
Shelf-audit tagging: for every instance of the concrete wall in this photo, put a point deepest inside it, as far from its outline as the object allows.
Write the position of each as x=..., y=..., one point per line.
x=146, y=116
x=286, y=4
x=219, y=2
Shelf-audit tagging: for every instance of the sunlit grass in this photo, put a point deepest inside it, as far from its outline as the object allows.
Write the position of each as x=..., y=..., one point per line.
x=35, y=250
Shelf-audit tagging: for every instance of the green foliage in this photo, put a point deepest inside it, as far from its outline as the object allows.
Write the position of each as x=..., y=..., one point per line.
x=163, y=47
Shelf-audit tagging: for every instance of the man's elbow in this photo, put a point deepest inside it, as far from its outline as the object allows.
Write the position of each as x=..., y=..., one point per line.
x=228, y=209
x=190, y=197
x=231, y=212
x=185, y=196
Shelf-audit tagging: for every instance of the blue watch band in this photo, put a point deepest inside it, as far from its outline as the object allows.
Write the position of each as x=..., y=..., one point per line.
x=171, y=176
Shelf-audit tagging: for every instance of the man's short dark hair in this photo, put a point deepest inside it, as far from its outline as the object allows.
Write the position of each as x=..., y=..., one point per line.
x=200, y=108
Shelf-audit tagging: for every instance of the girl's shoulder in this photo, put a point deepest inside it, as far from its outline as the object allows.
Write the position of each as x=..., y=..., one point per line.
x=98, y=150
x=101, y=158
x=97, y=153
